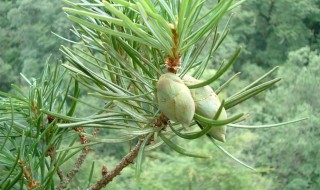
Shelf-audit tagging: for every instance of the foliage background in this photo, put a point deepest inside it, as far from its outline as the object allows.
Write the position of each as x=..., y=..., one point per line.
x=281, y=32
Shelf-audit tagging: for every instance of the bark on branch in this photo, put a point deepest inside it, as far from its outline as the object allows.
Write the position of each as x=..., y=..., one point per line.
x=65, y=180
x=128, y=159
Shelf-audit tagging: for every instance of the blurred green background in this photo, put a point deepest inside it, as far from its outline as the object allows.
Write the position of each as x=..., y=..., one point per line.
x=271, y=32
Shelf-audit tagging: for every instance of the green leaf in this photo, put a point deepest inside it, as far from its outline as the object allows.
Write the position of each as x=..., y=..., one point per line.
x=140, y=132
x=61, y=116
x=132, y=112
x=192, y=135
x=217, y=114
x=194, y=52
x=212, y=18
x=14, y=180
x=74, y=102
x=91, y=174
x=258, y=80
x=92, y=14
x=203, y=131
x=165, y=6
x=120, y=98
x=77, y=147
x=128, y=67
x=13, y=96
x=181, y=150
x=140, y=155
x=10, y=127
x=88, y=104
x=106, y=30
x=89, y=74
x=162, y=36
x=183, y=9
x=83, y=123
x=114, y=140
x=126, y=4
x=236, y=4
x=160, y=142
x=224, y=85
x=230, y=155
x=218, y=74
x=20, y=91
x=265, y=126
x=136, y=29
x=240, y=97
x=217, y=123
x=26, y=79
x=13, y=167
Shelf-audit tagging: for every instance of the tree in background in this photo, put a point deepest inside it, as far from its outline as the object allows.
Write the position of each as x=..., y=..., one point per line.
x=270, y=29
x=129, y=53
x=26, y=36
x=293, y=164
x=6, y=75
x=8, y=51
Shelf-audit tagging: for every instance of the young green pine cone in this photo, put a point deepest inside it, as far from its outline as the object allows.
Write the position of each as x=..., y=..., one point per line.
x=207, y=104
x=174, y=99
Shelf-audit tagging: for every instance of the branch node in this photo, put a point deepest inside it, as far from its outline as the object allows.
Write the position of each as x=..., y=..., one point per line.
x=104, y=170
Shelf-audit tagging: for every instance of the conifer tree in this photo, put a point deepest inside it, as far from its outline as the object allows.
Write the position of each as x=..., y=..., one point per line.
x=142, y=59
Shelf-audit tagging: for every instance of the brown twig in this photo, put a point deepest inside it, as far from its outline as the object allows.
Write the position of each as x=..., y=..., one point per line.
x=66, y=180
x=108, y=176
x=60, y=174
x=27, y=174
x=51, y=151
x=59, y=171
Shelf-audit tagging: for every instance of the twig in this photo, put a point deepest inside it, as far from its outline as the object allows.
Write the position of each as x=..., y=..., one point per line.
x=60, y=174
x=31, y=183
x=64, y=181
x=51, y=154
x=128, y=159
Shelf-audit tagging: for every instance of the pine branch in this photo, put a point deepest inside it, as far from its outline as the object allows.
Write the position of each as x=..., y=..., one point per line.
x=65, y=181
x=108, y=176
x=60, y=174
x=27, y=174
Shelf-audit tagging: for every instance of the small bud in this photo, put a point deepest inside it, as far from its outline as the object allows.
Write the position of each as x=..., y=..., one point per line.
x=207, y=104
x=174, y=99
x=104, y=170
x=171, y=26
